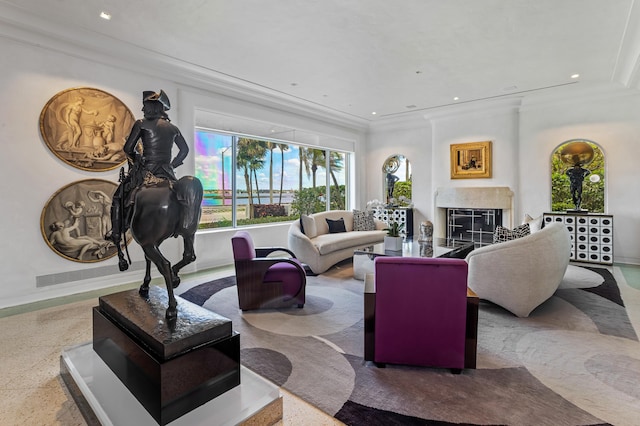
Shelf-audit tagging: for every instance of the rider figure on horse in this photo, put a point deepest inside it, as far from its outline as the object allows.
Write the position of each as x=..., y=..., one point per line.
x=149, y=163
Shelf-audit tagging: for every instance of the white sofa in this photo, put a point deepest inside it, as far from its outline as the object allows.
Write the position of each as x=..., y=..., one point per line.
x=521, y=274
x=324, y=249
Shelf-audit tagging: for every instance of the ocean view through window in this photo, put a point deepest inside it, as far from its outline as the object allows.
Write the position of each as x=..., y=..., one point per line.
x=251, y=180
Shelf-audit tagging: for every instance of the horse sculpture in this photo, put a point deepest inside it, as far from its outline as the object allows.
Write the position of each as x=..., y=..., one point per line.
x=164, y=209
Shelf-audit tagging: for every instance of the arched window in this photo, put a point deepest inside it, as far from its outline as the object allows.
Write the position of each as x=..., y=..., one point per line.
x=396, y=180
x=578, y=176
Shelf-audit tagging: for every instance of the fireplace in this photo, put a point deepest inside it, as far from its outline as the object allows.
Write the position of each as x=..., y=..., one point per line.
x=475, y=225
x=481, y=209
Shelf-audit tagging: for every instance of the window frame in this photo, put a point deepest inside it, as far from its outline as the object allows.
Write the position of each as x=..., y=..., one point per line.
x=235, y=136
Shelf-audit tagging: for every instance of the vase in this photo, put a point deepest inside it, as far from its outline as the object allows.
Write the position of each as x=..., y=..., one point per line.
x=393, y=243
x=426, y=231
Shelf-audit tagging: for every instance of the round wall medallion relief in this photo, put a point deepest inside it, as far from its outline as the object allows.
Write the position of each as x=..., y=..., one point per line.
x=86, y=128
x=76, y=218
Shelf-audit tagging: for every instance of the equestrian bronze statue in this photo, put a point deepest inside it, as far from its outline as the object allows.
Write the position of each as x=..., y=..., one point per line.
x=150, y=201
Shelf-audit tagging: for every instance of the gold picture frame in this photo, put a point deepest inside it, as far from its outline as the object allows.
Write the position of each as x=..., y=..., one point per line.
x=86, y=128
x=471, y=160
x=76, y=218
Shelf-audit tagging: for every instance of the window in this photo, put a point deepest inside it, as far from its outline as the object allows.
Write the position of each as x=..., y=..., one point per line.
x=249, y=180
x=338, y=173
x=586, y=191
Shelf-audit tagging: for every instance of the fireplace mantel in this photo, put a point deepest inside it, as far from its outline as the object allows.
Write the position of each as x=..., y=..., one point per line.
x=486, y=197
x=482, y=197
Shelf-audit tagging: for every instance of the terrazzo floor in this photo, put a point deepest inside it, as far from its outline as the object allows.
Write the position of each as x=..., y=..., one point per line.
x=32, y=392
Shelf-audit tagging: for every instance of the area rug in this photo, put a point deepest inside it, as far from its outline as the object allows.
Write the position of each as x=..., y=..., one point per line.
x=574, y=361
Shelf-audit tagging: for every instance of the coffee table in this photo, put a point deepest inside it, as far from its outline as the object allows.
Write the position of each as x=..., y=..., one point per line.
x=440, y=247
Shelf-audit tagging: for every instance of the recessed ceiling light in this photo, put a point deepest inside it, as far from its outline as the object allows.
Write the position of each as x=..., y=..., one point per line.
x=373, y=113
x=105, y=15
x=575, y=75
x=412, y=106
x=456, y=98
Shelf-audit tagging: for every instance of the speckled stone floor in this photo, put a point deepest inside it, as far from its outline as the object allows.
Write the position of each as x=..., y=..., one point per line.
x=32, y=392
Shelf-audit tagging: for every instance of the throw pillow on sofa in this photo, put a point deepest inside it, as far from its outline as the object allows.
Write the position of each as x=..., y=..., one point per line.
x=502, y=234
x=308, y=226
x=535, y=223
x=363, y=221
x=336, y=226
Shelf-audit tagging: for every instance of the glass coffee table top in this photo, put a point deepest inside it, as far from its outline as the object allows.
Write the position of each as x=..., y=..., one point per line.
x=440, y=247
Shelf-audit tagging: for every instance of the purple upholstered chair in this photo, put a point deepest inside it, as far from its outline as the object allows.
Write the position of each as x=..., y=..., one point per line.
x=420, y=315
x=266, y=282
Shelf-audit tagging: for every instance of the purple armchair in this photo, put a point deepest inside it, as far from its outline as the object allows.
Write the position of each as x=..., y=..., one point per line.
x=266, y=282
x=421, y=314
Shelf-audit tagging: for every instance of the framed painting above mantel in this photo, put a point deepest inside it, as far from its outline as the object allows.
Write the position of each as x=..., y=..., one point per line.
x=471, y=160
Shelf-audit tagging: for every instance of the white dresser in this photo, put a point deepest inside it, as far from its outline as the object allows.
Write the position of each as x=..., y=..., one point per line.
x=591, y=235
x=402, y=215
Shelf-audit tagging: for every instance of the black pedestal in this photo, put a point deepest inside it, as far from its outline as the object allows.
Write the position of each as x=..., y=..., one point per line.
x=170, y=370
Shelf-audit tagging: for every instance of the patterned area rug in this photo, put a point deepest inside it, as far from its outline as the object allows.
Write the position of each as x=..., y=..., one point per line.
x=574, y=361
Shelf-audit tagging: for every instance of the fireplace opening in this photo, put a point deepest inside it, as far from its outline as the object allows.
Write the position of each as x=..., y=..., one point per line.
x=477, y=225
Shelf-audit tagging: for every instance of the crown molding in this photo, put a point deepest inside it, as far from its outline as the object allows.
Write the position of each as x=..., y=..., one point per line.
x=81, y=43
x=578, y=93
x=420, y=119
x=405, y=121
x=544, y=98
x=503, y=104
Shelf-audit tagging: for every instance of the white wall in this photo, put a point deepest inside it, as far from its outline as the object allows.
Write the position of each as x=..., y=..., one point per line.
x=31, y=174
x=611, y=120
x=426, y=141
x=524, y=134
x=411, y=138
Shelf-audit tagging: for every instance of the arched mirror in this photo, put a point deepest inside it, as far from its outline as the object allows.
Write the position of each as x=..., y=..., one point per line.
x=577, y=177
x=396, y=177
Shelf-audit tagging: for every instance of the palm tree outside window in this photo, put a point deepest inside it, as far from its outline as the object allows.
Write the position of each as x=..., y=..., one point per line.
x=266, y=180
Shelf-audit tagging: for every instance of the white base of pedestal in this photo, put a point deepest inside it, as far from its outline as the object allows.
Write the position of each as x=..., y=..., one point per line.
x=113, y=404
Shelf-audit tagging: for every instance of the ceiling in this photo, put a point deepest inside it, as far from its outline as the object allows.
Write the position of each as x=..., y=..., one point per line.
x=357, y=57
